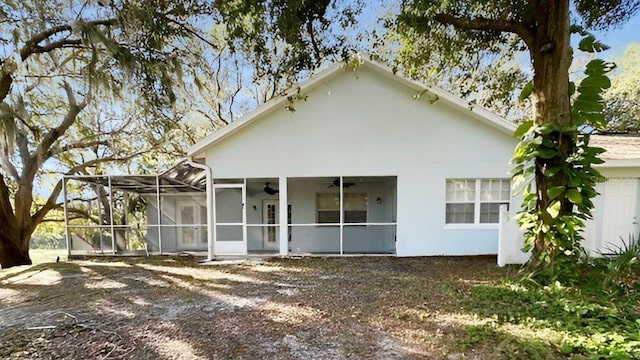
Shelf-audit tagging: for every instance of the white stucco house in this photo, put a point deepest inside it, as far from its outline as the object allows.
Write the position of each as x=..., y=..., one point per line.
x=364, y=161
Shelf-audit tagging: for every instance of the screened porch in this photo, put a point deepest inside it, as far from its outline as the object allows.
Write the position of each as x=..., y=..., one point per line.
x=320, y=215
x=137, y=214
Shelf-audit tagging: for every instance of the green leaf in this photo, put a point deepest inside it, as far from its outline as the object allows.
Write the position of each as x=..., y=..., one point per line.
x=586, y=44
x=577, y=29
x=572, y=88
x=547, y=128
x=555, y=191
x=526, y=91
x=590, y=44
x=595, y=67
x=554, y=209
x=594, y=81
x=547, y=153
x=522, y=129
x=551, y=171
x=574, y=196
x=584, y=105
x=596, y=119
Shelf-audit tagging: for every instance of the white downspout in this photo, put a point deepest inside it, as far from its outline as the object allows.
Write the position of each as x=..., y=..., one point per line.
x=210, y=204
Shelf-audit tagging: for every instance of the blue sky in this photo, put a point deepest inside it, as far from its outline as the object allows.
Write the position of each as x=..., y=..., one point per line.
x=618, y=39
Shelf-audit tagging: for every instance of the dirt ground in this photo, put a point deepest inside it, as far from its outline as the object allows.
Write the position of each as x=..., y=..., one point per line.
x=294, y=308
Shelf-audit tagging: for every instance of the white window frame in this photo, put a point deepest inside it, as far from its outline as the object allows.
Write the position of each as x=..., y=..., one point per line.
x=476, y=204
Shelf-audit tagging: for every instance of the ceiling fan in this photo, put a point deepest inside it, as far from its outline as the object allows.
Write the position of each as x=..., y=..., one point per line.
x=269, y=190
x=336, y=183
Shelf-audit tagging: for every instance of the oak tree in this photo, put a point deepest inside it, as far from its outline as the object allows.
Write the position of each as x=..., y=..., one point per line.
x=89, y=83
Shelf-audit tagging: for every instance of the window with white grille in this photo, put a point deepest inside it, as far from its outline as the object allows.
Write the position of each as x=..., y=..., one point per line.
x=476, y=201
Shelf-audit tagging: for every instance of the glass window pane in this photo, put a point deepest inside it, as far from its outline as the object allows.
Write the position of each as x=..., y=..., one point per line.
x=355, y=201
x=355, y=216
x=355, y=205
x=328, y=216
x=489, y=190
x=460, y=213
x=494, y=190
x=490, y=213
x=328, y=201
x=461, y=190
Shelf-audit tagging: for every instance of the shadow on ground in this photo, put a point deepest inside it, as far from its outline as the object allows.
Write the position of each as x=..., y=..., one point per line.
x=149, y=308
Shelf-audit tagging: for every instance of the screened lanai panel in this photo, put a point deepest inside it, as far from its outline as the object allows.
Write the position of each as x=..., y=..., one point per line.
x=263, y=239
x=229, y=205
x=230, y=219
x=321, y=239
x=132, y=214
x=263, y=215
x=369, y=215
x=314, y=200
x=369, y=199
x=314, y=215
x=369, y=239
x=336, y=215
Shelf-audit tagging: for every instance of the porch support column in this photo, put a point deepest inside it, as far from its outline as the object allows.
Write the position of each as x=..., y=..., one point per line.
x=284, y=226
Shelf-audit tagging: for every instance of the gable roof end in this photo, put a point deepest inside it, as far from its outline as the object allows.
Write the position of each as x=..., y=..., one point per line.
x=477, y=111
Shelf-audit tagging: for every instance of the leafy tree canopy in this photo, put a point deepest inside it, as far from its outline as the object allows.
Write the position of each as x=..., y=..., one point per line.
x=622, y=110
x=84, y=84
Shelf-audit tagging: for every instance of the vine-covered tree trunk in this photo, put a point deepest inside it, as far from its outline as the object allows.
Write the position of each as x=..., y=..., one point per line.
x=551, y=58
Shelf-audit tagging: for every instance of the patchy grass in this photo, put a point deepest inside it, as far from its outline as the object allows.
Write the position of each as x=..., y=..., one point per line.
x=387, y=308
x=40, y=256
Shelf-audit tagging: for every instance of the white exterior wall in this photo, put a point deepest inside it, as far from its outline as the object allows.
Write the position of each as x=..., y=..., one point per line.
x=370, y=125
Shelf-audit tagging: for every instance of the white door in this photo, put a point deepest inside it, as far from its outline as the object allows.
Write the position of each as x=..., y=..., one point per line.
x=271, y=219
x=192, y=228
x=620, y=218
x=230, y=219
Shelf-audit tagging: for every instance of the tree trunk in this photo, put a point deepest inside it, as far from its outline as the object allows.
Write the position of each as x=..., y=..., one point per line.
x=14, y=250
x=16, y=226
x=551, y=59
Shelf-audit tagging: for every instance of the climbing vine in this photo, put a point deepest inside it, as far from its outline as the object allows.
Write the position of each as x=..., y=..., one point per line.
x=553, y=218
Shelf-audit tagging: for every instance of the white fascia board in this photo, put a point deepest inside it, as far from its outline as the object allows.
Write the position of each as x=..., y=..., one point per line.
x=620, y=163
x=248, y=118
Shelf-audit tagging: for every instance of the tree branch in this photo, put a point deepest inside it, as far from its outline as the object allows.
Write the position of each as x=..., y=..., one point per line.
x=78, y=145
x=54, y=134
x=486, y=24
x=31, y=47
x=84, y=215
x=194, y=33
x=56, y=45
x=316, y=48
x=51, y=201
